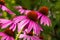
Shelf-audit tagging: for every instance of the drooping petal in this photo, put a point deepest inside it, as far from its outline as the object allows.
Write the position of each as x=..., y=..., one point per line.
x=22, y=24
x=3, y=38
x=12, y=38
x=18, y=7
x=37, y=28
x=26, y=11
x=2, y=34
x=19, y=18
x=39, y=14
x=32, y=38
x=30, y=27
x=21, y=11
x=28, y=38
x=11, y=27
x=45, y=20
x=8, y=38
x=6, y=24
x=37, y=38
x=4, y=8
x=22, y=36
x=42, y=20
x=48, y=21
x=4, y=20
x=14, y=27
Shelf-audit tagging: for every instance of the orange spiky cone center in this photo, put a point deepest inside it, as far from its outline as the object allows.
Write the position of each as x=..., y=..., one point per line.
x=43, y=10
x=32, y=15
x=9, y=32
x=2, y=2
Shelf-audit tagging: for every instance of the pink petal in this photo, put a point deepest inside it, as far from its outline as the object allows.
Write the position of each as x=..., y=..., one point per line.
x=11, y=27
x=6, y=24
x=6, y=9
x=30, y=26
x=4, y=20
x=22, y=24
x=2, y=34
x=12, y=38
x=9, y=11
x=28, y=38
x=21, y=11
x=22, y=36
x=32, y=38
x=8, y=38
x=42, y=20
x=45, y=20
x=37, y=38
x=18, y=7
x=14, y=27
x=19, y=18
x=48, y=21
x=37, y=28
x=39, y=14
x=26, y=11
x=3, y=8
x=3, y=38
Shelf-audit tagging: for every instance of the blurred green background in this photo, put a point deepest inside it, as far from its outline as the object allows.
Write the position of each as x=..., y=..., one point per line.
x=49, y=33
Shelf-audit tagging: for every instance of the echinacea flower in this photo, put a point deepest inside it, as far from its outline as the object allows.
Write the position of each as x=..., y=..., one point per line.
x=7, y=35
x=31, y=22
x=25, y=36
x=43, y=12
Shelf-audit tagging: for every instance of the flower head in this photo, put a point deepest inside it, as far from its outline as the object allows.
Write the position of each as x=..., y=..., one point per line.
x=2, y=2
x=29, y=37
x=32, y=15
x=43, y=12
x=7, y=35
x=31, y=21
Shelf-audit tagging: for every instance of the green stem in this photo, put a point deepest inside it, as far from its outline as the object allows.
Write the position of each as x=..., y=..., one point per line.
x=18, y=34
